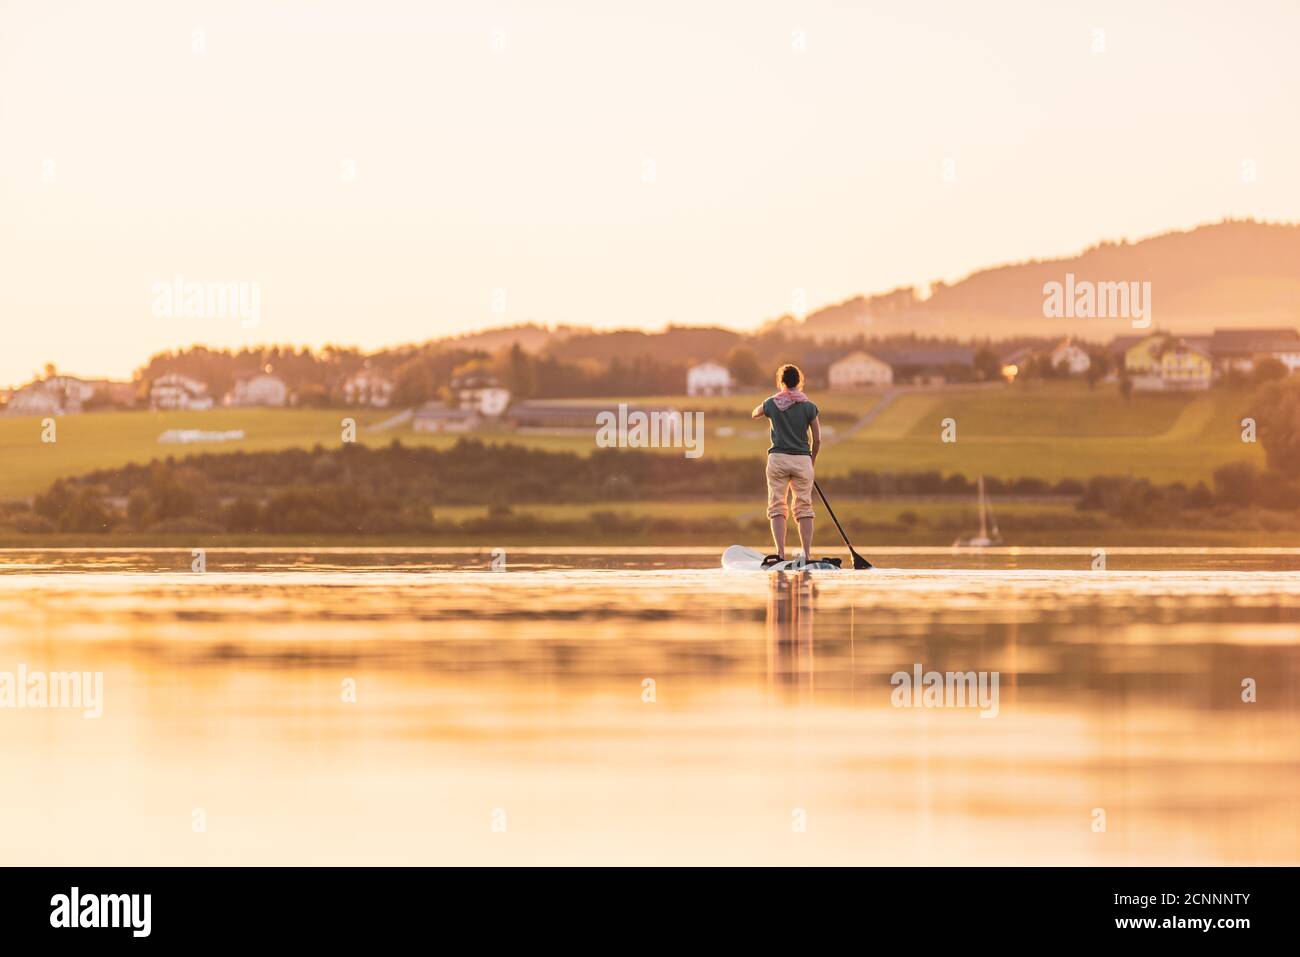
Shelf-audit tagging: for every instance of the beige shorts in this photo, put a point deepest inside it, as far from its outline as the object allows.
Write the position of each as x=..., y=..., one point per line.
x=784, y=471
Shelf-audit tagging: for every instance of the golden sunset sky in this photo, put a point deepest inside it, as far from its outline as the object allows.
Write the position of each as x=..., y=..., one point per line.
x=380, y=167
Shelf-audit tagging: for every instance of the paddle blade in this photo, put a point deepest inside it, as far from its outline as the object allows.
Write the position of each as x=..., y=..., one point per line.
x=859, y=563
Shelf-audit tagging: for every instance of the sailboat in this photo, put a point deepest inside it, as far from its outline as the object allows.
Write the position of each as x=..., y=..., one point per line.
x=987, y=537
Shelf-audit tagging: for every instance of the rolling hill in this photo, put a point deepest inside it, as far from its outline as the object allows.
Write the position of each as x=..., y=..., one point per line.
x=1233, y=274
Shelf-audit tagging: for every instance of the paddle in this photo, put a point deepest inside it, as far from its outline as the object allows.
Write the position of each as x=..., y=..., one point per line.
x=859, y=562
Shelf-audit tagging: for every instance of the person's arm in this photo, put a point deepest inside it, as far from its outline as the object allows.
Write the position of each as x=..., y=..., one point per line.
x=758, y=412
x=816, y=438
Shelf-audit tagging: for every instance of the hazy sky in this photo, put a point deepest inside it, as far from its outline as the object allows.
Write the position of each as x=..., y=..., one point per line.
x=381, y=167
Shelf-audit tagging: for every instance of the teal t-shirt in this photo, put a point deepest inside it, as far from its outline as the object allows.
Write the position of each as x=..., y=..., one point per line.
x=790, y=428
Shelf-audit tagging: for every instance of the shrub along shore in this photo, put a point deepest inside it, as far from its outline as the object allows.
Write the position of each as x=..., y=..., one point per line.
x=475, y=494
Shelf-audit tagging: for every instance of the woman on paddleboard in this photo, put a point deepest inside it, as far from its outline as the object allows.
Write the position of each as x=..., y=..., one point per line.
x=791, y=458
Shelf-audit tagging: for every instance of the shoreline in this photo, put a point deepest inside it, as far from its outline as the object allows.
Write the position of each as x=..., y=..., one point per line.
x=1066, y=539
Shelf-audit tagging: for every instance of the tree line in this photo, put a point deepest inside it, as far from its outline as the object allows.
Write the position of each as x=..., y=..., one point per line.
x=359, y=490
x=573, y=365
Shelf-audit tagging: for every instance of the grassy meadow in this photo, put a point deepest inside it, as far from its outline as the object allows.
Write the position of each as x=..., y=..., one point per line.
x=101, y=440
x=1048, y=430
x=1041, y=430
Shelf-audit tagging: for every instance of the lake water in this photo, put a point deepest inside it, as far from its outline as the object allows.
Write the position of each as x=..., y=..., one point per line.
x=412, y=706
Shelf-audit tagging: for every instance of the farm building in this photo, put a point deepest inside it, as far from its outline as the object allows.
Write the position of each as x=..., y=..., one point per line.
x=33, y=400
x=708, y=378
x=262, y=389
x=859, y=369
x=1173, y=363
x=55, y=395
x=368, y=387
x=1241, y=349
x=176, y=391
x=480, y=393
x=1066, y=356
x=1070, y=357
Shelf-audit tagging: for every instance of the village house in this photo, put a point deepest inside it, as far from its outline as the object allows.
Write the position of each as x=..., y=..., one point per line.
x=482, y=394
x=1119, y=347
x=55, y=395
x=73, y=393
x=1240, y=350
x=1184, y=365
x=33, y=400
x=262, y=389
x=1141, y=358
x=1164, y=362
x=1066, y=357
x=368, y=387
x=176, y=391
x=1069, y=357
x=708, y=378
x=858, y=370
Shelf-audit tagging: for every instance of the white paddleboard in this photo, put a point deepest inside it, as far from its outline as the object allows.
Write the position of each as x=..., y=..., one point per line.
x=740, y=558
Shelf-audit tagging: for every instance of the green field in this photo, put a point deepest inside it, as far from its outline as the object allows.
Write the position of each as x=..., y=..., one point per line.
x=1057, y=430
x=84, y=443
x=1044, y=430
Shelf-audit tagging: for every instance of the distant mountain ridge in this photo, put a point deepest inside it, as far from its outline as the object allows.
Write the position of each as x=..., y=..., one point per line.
x=1233, y=274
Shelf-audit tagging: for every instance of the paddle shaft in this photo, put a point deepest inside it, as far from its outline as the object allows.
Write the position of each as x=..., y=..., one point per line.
x=858, y=561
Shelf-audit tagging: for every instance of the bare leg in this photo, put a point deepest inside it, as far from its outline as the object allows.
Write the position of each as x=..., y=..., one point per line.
x=805, y=535
x=778, y=534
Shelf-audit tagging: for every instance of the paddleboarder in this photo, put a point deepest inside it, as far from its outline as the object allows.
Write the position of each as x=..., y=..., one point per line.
x=796, y=438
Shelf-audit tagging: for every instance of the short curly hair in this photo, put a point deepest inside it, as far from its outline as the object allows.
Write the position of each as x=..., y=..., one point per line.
x=789, y=377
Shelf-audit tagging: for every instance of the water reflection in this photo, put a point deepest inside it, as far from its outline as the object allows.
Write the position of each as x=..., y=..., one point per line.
x=791, y=666
x=524, y=690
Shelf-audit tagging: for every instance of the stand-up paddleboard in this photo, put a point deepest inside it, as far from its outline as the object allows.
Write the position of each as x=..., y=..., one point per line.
x=740, y=558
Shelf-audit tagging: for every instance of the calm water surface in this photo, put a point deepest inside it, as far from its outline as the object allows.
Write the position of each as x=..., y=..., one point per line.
x=644, y=707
